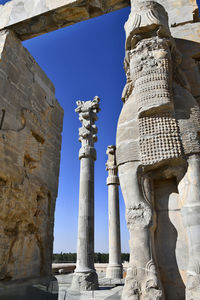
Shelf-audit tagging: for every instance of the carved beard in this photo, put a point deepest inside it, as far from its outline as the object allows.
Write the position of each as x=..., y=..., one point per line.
x=151, y=74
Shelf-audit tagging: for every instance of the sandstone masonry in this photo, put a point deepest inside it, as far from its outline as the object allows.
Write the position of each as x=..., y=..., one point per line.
x=30, y=142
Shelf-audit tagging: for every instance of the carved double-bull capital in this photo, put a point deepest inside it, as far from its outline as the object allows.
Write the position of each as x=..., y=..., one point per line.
x=87, y=133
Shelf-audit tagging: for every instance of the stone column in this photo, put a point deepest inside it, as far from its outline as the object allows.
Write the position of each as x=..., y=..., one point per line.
x=189, y=191
x=114, y=269
x=85, y=277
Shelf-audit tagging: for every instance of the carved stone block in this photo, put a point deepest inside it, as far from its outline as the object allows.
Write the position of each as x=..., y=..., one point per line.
x=159, y=129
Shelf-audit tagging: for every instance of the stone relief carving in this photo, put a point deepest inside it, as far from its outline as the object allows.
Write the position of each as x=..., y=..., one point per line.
x=157, y=137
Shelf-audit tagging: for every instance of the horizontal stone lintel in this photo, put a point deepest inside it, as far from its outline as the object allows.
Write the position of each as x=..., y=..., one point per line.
x=30, y=18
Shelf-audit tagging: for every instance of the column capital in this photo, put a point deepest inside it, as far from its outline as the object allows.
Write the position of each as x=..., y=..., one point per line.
x=87, y=111
x=111, y=166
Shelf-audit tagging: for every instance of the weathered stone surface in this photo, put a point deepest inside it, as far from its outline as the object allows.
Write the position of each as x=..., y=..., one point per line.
x=85, y=277
x=189, y=188
x=170, y=238
x=190, y=63
x=190, y=31
x=30, y=142
x=115, y=268
x=158, y=156
x=32, y=289
x=29, y=18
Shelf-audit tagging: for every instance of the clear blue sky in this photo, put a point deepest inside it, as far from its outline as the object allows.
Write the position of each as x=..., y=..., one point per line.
x=85, y=60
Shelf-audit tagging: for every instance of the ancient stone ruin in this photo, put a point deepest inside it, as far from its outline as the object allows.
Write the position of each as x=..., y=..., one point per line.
x=157, y=150
x=158, y=157
x=85, y=277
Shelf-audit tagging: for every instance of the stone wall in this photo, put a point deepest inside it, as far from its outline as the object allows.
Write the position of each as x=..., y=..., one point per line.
x=30, y=142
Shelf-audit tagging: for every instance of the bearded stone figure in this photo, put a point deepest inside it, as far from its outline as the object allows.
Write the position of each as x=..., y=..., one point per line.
x=158, y=159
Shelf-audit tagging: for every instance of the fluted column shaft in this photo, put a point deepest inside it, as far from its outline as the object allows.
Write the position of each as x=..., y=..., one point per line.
x=114, y=269
x=85, y=247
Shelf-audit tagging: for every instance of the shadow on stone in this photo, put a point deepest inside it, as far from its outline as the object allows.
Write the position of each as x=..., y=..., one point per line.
x=44, y=290
x=168, y=243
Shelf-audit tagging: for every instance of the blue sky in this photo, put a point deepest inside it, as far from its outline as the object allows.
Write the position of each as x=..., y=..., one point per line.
x=85, y=60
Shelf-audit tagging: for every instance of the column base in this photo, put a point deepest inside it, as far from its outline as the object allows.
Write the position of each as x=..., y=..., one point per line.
x=84, y=282
x=114, y=272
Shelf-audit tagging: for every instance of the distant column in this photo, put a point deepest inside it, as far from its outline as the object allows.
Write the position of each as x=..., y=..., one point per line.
x=114, y=269
x=85, y=277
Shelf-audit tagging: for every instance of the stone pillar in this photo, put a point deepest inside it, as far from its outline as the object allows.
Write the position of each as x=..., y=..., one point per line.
x=114, y=269
x=189, y=191
x=85, y=277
